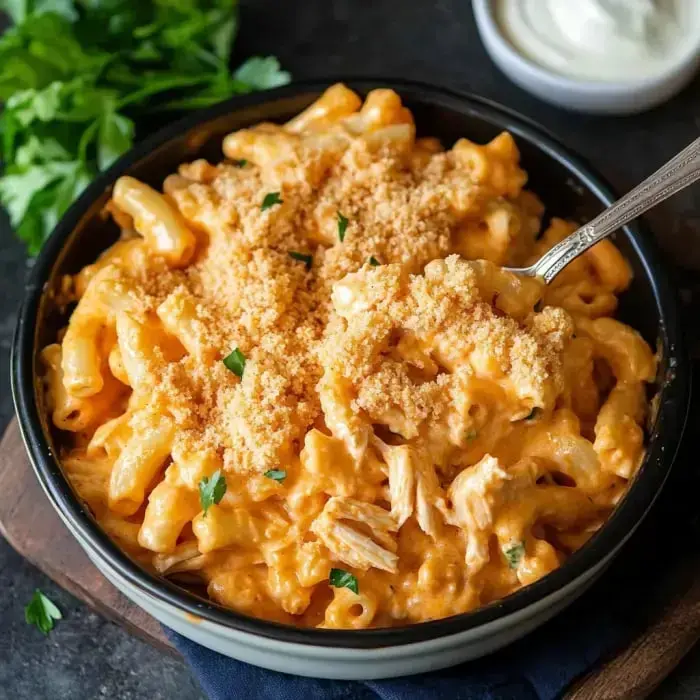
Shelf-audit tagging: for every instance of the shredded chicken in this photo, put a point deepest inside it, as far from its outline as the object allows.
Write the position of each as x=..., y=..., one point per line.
x=475, y=493
x=186, y=557
x=413, y=487
x=349, y=544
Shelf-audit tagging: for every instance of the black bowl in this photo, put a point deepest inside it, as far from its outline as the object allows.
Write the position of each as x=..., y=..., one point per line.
x=568, y=187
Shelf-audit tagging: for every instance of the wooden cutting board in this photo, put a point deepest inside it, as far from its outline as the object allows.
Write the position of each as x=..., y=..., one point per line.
x=31, y=526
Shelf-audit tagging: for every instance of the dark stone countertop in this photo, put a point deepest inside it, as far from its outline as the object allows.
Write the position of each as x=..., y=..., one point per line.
x=436, y=42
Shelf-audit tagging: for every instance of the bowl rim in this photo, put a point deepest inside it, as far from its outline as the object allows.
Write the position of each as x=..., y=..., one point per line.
x=639, y=498
x=495, y=40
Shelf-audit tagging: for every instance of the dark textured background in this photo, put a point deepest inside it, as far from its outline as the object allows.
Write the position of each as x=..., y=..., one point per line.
x=86, y=657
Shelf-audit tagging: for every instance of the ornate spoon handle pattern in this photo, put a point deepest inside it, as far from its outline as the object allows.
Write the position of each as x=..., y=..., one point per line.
x=678, y=173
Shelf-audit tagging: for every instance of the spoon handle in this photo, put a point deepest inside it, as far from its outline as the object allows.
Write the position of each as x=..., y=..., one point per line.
x=679, y=172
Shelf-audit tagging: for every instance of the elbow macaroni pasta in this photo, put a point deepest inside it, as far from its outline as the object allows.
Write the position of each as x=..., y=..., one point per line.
x=409, y=413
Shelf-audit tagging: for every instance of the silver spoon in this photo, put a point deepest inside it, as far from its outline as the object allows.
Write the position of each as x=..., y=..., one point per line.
x=678, y=173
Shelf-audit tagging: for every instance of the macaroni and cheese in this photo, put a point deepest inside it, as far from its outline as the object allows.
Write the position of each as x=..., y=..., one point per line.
x=302, y=378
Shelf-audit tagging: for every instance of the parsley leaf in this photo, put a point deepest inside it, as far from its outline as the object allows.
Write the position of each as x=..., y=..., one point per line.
x=338, y=578
x=38, y=195
x=373, y=261
x=240, y=163
x=19, y=186
x=211, y=490
x=40, y=611
x=235, y=361
x=514, y=554
x=18, y=9
x=302, y=257
x=276, y=474
x=342, y=226
x=270, y=199
x=260, y=73
x=79, y=77
x=115, y=137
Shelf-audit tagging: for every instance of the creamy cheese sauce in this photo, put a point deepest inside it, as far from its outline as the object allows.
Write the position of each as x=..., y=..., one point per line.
x=396, y=442
x=602, y=40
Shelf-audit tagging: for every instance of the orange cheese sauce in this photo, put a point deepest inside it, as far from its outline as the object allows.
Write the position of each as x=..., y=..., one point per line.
x=302, y=379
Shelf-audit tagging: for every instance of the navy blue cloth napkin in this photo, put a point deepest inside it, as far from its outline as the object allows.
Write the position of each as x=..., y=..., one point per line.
x=539, y=667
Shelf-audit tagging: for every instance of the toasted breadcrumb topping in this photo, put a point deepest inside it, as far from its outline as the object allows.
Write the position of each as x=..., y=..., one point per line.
x=325, y=317
x=441, y=312
x=248, y=292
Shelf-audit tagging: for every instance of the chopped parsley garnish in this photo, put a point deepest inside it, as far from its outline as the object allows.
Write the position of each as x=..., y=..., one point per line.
x=241, y=163
x=471, y=434
x=338, y=578
x=235, y=362
x=301, y=257
x=342, y=226
x=514, y=554
x=270, y=199
x=40, y=611
x=277, y=474
x=211, y=490
x=373, y=261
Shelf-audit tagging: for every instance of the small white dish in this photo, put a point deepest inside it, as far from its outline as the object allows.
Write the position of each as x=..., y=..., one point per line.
x=628, y=97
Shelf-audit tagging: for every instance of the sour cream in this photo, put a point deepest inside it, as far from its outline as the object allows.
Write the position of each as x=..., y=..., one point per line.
x=602, y=40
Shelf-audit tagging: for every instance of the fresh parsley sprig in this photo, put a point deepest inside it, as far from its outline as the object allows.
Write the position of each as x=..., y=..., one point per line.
x=41, y=612
x=278, y=475
x=78, y=78
x=235, y=362
x=270, y=199
x=339, y=578
x=211, y=490
x=302, y=257
x=514, y=554
x=342, y=226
